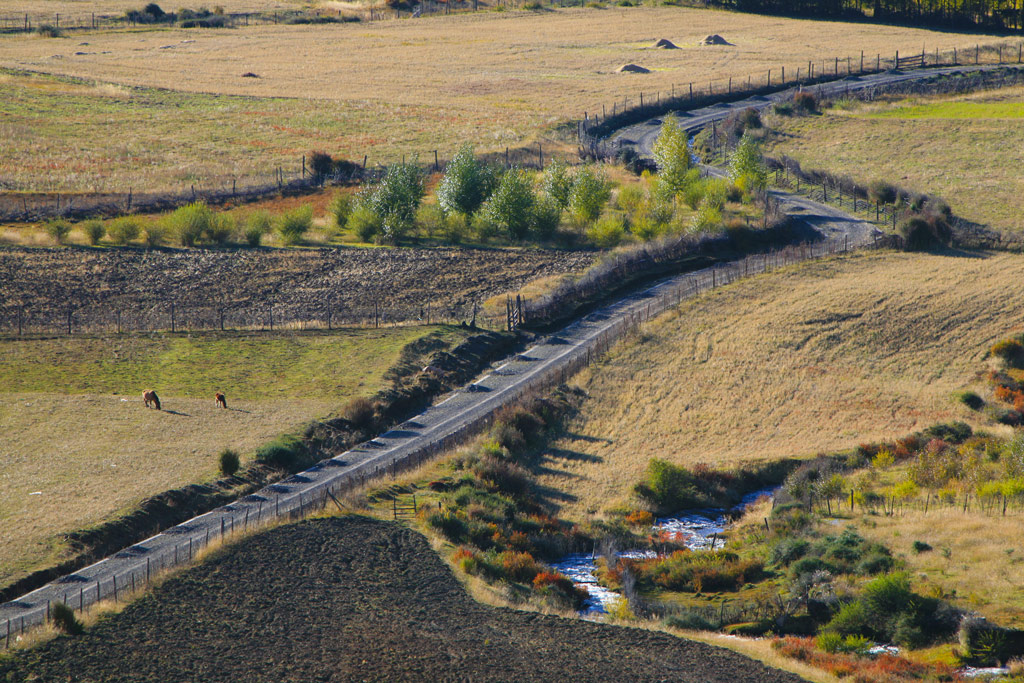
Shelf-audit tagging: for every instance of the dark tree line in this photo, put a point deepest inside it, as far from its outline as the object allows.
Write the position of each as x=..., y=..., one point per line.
x=999, y=15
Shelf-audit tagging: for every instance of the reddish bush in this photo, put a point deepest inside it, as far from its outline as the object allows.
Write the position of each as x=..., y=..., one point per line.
x=519, y=567
x=640, y=518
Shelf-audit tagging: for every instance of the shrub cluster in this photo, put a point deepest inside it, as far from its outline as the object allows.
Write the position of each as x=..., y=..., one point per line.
x=846, y=553
x=671, y=488
x=887, y=610
x=489, y=508
x=695, y=572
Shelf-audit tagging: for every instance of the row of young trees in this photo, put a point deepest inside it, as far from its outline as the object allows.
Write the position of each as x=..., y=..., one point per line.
x=517, y=205
x=476, y=195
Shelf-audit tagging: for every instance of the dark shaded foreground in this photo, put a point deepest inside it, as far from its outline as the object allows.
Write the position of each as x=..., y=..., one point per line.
x=349, y=599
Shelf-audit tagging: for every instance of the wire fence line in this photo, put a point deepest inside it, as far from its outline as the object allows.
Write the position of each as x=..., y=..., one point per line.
x=297, y=178
x=594, y=127
x=320, y=486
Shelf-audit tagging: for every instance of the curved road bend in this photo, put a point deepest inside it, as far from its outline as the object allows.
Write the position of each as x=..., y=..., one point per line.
x=435, y=427
x=642, y=135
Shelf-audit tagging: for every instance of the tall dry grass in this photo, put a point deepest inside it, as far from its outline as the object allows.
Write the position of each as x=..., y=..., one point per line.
x=821, y=356
x=384, y=89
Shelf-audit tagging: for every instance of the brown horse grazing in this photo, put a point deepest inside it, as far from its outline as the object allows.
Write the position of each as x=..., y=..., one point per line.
x=149, y=396
x=221, y=401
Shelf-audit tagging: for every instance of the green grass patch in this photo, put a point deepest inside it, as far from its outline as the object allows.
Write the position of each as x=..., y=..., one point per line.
x=953, y=110
x=257, y=365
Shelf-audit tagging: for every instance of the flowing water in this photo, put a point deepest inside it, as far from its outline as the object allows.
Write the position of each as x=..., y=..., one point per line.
x=696, y=529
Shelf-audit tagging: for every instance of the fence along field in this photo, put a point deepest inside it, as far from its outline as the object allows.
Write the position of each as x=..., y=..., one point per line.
x=981, y=134
x=386, y=100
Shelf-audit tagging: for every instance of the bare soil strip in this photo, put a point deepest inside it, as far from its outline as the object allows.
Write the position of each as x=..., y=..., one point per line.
x=351, y=598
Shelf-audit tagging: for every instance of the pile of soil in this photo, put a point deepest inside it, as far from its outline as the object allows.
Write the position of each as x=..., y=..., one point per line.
x=666, y=44
x=632, y=69
x=350, y=599
x=714, y=39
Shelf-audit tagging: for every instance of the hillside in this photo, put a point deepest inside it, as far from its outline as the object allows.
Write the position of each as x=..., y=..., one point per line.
x=821, y=356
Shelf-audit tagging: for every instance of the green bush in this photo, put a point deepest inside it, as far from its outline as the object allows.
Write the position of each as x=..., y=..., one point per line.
x=340, y=209
x=789, y=550
x=286, y=453
x=671, y=151
x=882, y=192
x=94, y=230
x=607, y=232
x=920, y=547
x=219, y=229
x=257, y=224
x=630, y=198
x=829, y=641
x=190, y=222
x=49, y=31
x=386, y=212
x=58, y=229
x=588, y=195
x=669, y=486
x=547, y=216
x=228, y=462
x=293, y=225
x=123, y=230
x=155, y=235
x=556, y=183
x=689, y=620
x=969, y=399
x=1010, y=350
x=783, y=109
x=510, y=208
x=707, y=219
x=65, y=620
x=466, y=185
x=364, y=222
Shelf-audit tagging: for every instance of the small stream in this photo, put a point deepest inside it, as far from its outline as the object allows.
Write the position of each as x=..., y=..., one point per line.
x=696, y=529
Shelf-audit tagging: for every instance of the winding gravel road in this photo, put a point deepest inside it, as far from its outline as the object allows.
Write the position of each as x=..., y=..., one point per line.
x=641, y=136
x=545, y=363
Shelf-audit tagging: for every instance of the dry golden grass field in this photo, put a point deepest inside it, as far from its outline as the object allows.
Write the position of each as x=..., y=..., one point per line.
x=77, y=8
x=383, y=89
x=79, y=448
x=819, y=357
x=967, y=149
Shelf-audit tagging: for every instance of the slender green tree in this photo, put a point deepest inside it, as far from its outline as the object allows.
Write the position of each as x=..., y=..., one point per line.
x=511, y=206
x=466, y=185
x=672, y=155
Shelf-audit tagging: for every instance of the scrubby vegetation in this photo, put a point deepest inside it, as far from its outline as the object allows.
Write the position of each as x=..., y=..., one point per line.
x=489, y=508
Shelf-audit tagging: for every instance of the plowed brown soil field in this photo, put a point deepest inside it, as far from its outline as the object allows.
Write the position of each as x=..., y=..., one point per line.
x=355, y=599
x=45, y=282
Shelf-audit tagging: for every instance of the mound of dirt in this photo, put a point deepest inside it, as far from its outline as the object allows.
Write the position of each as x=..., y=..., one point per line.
x=714, y=39
x=666, y=44
x=355, y=599
x=632, y=69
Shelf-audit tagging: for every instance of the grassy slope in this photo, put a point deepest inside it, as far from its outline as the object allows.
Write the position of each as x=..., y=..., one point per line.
x=386, y=98
x=819, y=357
x=965, y=149
x=75, y=429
